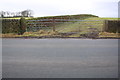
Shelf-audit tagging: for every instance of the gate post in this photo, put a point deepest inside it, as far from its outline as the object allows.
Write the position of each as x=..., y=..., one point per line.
x=105, y=25
x=53, y=25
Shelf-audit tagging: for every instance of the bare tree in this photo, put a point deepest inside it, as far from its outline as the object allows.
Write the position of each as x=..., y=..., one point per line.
x=27, y=13
x=8, y=13
x=2, y=14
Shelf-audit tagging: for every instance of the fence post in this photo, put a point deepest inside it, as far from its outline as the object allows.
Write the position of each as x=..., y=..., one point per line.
x=53, y=24
x=105, y=25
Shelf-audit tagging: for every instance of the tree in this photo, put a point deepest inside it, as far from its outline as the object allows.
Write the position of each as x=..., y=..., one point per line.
x=2, y=14
x=27, y=13
x=8, y=13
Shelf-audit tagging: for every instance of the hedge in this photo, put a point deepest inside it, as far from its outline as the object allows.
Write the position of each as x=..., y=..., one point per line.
x=14, y=26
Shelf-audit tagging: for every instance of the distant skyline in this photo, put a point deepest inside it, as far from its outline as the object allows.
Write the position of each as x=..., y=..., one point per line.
x=101, y=8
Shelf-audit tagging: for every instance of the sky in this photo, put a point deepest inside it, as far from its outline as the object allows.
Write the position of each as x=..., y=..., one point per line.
x=40, y=8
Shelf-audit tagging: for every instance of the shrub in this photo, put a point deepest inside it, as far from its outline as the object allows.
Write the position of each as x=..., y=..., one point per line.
x=22, y=27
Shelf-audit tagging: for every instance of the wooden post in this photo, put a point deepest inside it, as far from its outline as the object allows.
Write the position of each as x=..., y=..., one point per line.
x=53, y=25
x=79, y=27
x=105, y=26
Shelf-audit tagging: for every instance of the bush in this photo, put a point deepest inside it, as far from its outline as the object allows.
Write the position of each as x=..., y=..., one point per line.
x=22, y=27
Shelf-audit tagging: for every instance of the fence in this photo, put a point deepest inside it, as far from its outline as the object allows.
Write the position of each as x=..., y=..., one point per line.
x=14, y=26
x=61, y=25
x=10, y=25
x=44, y=24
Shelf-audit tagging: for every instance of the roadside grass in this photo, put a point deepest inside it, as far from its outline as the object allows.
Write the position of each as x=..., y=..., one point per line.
x=9, y=35
x=107, y=34
x=37, y=34
x=74, y=35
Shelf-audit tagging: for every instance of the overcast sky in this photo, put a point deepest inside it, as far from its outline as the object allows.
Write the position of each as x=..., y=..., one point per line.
x=102, y=8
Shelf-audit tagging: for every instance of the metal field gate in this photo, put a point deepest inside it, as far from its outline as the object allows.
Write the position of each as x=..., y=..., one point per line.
x=61, y=25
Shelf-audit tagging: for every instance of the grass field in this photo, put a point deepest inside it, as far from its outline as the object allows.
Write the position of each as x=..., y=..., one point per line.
x=80, y=26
